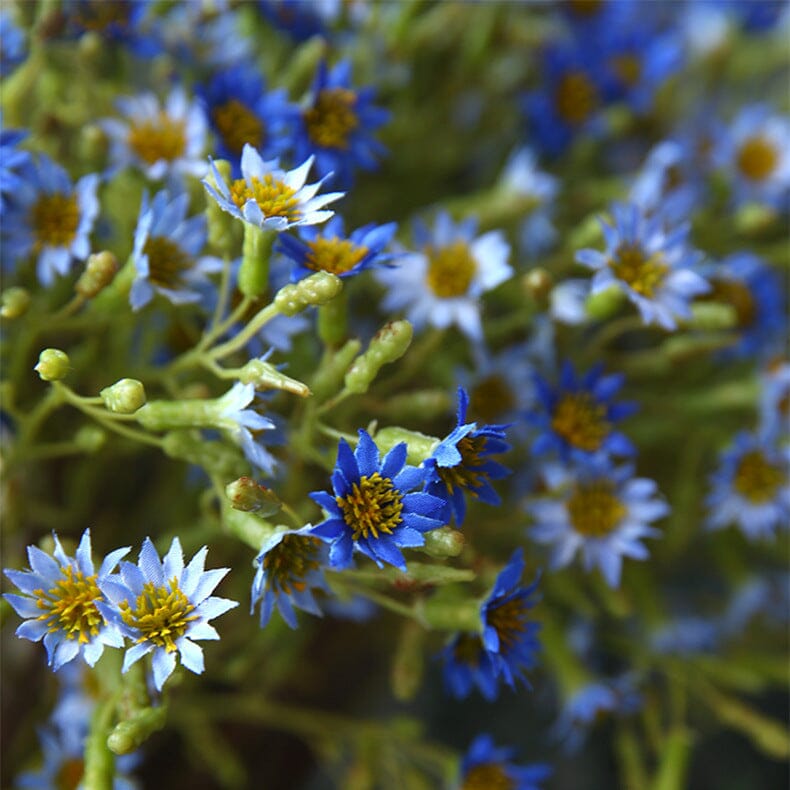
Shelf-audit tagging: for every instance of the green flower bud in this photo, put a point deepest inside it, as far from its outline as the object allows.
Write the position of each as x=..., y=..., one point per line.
x=247, y=495
x=333, y=321
x=124, y=397
x=443, y=542
x=256, y=253
x=90, y=438
x=605, y=304
x=389, y=344
x=419, y=445
x=100, y=269
x=427, y=403
x=316, y=289
x=265, y=376
x=711, y=316
x=15, y=302
x=53, y=364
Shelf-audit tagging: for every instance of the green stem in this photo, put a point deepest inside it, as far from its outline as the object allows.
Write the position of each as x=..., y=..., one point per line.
x=246, y=334
x=99, y=760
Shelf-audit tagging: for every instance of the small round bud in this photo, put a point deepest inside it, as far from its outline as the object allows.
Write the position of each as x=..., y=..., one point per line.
x=388, y=344
x=247, y=495
x=444, y=542
x=15, y=302
x=316, y=289
x=124, y=397
x=538, y=284
x=605, y=304
x=99, y=272
x=90, y=438
x=53, y=364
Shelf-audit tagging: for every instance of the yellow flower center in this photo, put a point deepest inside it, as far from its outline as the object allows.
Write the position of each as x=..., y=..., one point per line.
x=581, y=421
x=487, y=776
x=336, y=256
x=738, y=296
x=594, y=510
x=153, y=141
x=757, y=158
x=584, y=7
x=576, y=98
x=290, y=561
x=161, y=614
x=238, y=124
x=756, y=478
x=332, y=119
x=70, y=606
x=490, y=398
x=509, y=620
x=99, y=14
x=55, y=219
x=465, y=474
x=628, y=68
x=374, y=506
x=468, y=649
x=166, y=261
x=641, y=274
x=451, y=269
x=274, y=197
x=70, y=774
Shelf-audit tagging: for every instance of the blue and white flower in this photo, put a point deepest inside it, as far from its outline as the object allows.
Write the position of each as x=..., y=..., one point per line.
x=653, y=266
x=163, y=606
x=775, y=400
x=166, y=252
x=442, y=283
x=289, y=568
x=487, y=766
x=14, y=164
x=61, y=599
x=751, y=487
x=599, y=511
x=51, y=218
x=375, y=508
x=269, y=197
x=13, y=49
x=239, y=422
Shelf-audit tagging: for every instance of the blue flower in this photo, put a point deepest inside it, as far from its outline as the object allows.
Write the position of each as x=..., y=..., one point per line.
x=442, y=284
x=375, y=508
x=240, y=421
x=775, y=399
x=166, y=249
x=653, y=266
x=461, y=463
x=289, y=567
x=271, y=198
x=117, y=23
x=337, y=125
x=486, y=767
x=685, y=636
x=60, y=601
x=241, y=111
x=598, y=510
x=12, y=44
x=301, y=20
x=577, y=417
x=331, y=251
x=161, y=141
x=163, y=606
x=51, y=218
x=751, y=487
x=506, y=644
x=15, y=163
x=754, y=289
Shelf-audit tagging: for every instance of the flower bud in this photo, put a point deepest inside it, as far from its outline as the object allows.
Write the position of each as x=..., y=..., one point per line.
x=15, y=302
x=329, y=376
x=316, y=289
x=443, y=542
x=53, y=364
x=604, y=304
x=90, y=438
x=130, y=734
x=419, y=445
x=388, y=344
x=124, y=397
x=99, y=272
x=263, y=375
x=247, y=495
x=538, y=284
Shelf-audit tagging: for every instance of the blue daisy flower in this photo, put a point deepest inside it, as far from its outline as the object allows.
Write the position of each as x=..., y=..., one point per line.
x=289, y=567
x=461, y=462
x=117, y=23
x=162, y=141
x=653, y=266
x=13, y=49
x=507, y=643
x=271, y=198
x=166, y=250
x=60, y=602
x=487, y=766
x=751, y=487
x=375, y=508
x=163, y=606
x=599, y=511
x=51, y=218
x=685, y=635
x=775, y=400
x=338, y=124
x=755, y=290
x=15, y=163
x=242, y=111
x=300, y=20
x=441, y=284
x=576, y=418
x=755, y=152
x=331, y=251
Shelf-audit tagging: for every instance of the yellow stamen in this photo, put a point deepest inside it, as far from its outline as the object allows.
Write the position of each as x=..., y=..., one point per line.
x=465, y=474
x=336, y=256
x=757, y=158
x=509, y=620
x=756, y=478
x=487, y=776
x=153, y=141
x=70, y=606
x=451, y=269
x=576, y=98
x=55, y=219
x=490, y=398
x=581, y=421
x=166, y=261
x=237, y=125
x=628, y=68
x=290, y=561
x=594, y=510
x=274, y=197
x=332, y=119
x=374, y=506
x=644, y=275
